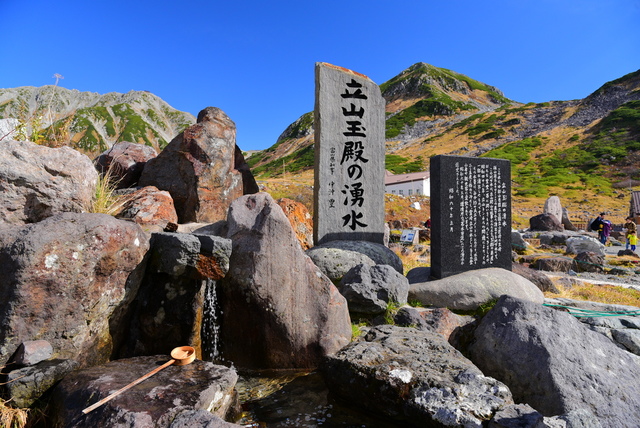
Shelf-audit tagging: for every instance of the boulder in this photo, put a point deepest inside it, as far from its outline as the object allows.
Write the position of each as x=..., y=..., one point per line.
x=149, y=206
x=581, y=244
x=552, y=362
x=38, y=182
x=541, y=280
x=553, y=207
x=545, y=222
x=170, y=305
x=336, y=258
x=468, y=290
x=438, y=320
x=518, y=244
x=67, y=280
x=124, y=162
x=419, y=274
x=517, y=416
x=32, y=352
x=627, y=252
x=554, y=264
x=398, y=372
x=277, y=308
x=202, y=169
x=369, y=289
x=588, y=261
x=154, y=402
x=566, y=222
x=300, y=219
x=25, y=385
x=553, y=238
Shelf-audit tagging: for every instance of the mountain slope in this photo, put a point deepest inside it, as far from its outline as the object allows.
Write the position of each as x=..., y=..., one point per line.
x=90, y=121
x=419, y=101
x=433, y=111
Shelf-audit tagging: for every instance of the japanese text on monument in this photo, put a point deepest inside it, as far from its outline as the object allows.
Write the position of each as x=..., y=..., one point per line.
x=349, y=175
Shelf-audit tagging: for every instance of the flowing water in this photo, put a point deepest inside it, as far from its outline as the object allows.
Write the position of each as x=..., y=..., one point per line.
x=210, y=325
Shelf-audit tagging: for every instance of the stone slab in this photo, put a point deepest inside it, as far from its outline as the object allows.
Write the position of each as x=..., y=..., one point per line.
x=349, y=157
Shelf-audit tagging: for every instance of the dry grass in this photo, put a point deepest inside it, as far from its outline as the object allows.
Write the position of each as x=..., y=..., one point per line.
x=11, y=417
x=105, y=200
x=599, y=293
x=412, y=259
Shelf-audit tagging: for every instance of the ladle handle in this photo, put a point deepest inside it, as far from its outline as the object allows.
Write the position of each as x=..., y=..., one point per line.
x=124, y=388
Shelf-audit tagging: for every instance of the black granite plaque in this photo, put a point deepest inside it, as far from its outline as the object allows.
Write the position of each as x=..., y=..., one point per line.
x=470, y=214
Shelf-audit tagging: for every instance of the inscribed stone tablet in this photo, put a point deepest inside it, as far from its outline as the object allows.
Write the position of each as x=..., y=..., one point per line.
x=470, y=214
x=349, y=157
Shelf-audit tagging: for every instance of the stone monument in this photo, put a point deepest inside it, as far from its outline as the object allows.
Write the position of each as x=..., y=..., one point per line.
x=470, y=214
x=553, y=206
x=349, y=157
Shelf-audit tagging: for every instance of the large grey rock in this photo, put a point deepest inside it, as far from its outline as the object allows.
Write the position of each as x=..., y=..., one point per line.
x=202, y=169
x=124, y=162
x=541, y=280
x=518, y=244
x=552, y=362
x=468, y=290
x=25, y=385
x=154, y=402
x=336, y=258
x=517, y=416
x=553, y=206
x=554, y=264
x=68, y=280
x=629, y=338
x=588, y=262
x=545, y=222
x=369, y=289
x=566, y=221
x=38, y=182
x=581, y=244
x=277, y=308
x=398, y=372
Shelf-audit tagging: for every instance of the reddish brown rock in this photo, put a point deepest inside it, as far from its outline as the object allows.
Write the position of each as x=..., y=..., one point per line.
x=150, y=206
x=300, y=219
x=124, y=162
x=202, y=169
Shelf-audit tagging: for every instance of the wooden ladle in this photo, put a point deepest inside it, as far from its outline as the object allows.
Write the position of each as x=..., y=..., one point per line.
x=180, y=356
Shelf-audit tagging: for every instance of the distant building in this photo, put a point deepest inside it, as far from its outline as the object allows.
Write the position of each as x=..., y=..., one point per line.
x=414, y=183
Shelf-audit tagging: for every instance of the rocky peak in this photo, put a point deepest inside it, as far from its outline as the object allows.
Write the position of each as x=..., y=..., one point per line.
x=92, y=121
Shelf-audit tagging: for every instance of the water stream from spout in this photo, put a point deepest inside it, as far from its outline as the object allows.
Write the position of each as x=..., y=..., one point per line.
x=210, y=326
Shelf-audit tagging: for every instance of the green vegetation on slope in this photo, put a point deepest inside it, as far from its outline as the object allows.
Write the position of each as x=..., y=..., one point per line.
x=438, y=104
x=295, y=162
x=580, y=167
x=401, y=165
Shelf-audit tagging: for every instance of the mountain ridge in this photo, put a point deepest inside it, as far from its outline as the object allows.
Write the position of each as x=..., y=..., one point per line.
x=92, y=121
x=432, y=111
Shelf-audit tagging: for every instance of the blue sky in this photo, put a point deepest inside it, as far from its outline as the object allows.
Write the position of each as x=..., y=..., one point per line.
x=255, y=59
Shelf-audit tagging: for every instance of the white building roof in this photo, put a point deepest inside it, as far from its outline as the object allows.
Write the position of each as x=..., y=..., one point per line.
x=390, y=178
